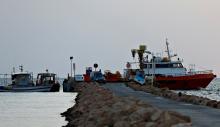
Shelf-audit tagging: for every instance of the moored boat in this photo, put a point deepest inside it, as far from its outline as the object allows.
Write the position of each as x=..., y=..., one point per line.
x=91, y=75
x=168, y=73
x=48, y=80
x=23, y=82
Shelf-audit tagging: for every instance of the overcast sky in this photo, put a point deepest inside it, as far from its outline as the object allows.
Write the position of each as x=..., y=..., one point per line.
x=42, y=34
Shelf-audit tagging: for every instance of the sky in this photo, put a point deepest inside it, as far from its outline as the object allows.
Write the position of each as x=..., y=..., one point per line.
x=43, y=34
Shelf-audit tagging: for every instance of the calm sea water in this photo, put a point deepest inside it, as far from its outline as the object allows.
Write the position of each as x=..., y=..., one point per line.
x=34, y=109
x=212, y=91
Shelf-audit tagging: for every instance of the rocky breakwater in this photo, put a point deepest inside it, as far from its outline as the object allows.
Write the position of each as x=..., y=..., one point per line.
x=165, y=92
x=98, y=107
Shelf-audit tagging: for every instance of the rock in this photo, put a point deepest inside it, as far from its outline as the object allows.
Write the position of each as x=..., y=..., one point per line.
x=212, y=103
x=179, y=94
x=144, y=113
x=122, y=124
x=204, y=102
x=182, y=125
x=156, y=115
x=150, y=124
x=142, y=103
x=218, y=105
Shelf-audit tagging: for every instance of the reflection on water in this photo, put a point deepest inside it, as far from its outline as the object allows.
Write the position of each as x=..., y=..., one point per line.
x=34, y=109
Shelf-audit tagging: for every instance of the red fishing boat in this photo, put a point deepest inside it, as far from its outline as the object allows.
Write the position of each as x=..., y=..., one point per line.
x=168, y=73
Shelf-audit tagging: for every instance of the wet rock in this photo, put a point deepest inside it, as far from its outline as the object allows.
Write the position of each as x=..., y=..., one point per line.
x=212, y=103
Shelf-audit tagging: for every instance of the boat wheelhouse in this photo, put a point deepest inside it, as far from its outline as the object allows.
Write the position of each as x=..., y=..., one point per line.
x=164, y=67
x=22, y=79
x=45, y=78
x=48, y=79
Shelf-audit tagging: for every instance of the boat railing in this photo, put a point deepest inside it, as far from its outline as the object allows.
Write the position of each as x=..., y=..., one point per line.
x=190, y=73
x=5, y=79
x=176, y=74
x=203, y=72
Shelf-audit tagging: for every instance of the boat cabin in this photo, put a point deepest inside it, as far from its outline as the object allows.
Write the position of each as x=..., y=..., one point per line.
x=161, y=67
x=46, y=78
x=156, y=65
x=22, y=79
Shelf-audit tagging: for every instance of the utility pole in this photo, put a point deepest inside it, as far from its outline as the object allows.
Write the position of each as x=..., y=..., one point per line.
x=74, y=70
x=71, y=64
x=153, y=70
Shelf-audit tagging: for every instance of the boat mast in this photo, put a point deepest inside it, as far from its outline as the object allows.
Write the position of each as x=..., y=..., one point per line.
x=168, y=50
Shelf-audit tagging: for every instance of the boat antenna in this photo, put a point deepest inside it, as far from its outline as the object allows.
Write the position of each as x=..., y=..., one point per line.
x=13, y=70
x=21, y=68
x=168, y=50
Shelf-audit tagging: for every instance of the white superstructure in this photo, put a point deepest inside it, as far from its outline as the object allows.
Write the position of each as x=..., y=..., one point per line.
x=157, y=65
x=164, y=67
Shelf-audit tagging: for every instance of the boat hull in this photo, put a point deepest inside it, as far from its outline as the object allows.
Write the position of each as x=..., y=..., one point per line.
x=188, y=82
x=28, y=89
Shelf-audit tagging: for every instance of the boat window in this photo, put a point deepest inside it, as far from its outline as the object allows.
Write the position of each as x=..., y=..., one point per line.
x=177, y=65
x=162, y=65
x=39, y=76
x=180, y=65
x=147, y=65
x=168, y=65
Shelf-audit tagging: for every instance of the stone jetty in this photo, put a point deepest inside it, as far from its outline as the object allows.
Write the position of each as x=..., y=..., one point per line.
x=164, y=92
x=98, y=107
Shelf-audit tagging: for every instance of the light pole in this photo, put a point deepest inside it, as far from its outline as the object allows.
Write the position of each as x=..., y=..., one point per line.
x=74, y=70
x=71, y=64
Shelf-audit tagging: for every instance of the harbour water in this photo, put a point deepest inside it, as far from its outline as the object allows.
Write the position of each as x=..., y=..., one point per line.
x=34, y=109
x=212, y=91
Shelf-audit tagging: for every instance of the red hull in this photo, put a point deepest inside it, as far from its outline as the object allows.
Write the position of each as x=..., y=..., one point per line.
x=86, y=78
x=110, y=77
x=187, y=82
